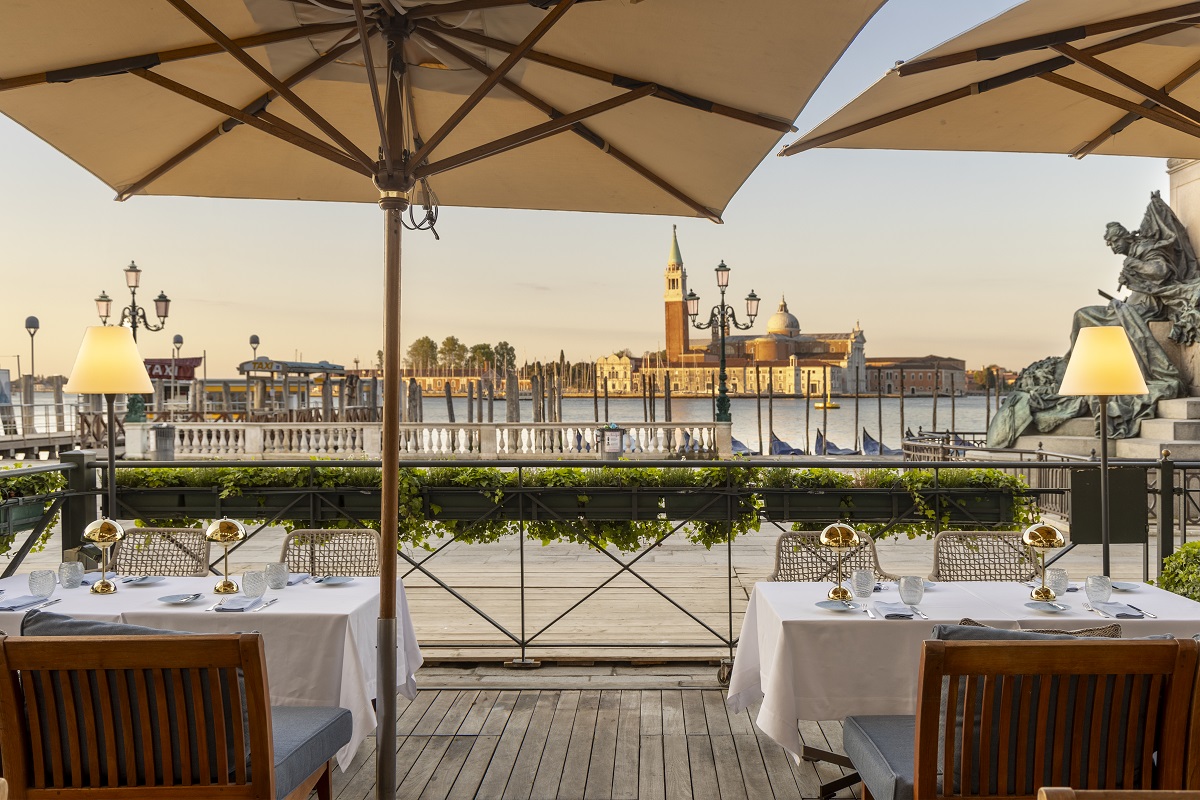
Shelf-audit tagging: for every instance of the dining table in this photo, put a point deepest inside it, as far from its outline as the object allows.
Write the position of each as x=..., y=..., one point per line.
x=319, y=635
x=806, y=661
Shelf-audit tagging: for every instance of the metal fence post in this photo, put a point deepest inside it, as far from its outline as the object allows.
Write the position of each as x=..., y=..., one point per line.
x=80, y=508
x=1166, y=507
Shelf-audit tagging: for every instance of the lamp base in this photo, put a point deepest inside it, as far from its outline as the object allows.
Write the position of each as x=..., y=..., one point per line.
x=840, y=593
x=104, y=586
x=1044, y=593
x=225, y=586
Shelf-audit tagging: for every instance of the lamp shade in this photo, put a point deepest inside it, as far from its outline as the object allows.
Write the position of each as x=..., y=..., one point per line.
x=109, y=363
x=1103, y=363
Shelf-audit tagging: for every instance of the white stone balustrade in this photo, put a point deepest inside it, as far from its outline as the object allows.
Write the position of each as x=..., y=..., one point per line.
x=425, y=441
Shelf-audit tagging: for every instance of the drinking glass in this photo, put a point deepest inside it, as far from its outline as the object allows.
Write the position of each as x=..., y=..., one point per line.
x=912, y=589
x=1057, y=580
x=863, y=582
x=277, y=575
x=70, y=574
x=42, y=582
x=1098, y=588
x=254, y=583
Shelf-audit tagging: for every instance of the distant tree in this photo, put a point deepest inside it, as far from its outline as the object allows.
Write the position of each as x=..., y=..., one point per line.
x=422, y=354
x=452, y=352
x=379, y=360
x=481, y=356
x=506, y=357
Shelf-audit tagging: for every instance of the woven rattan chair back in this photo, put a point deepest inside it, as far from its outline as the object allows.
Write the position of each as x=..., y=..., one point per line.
x=981, y=556
x=353, y=552
x=799, y=556
x=177, y=552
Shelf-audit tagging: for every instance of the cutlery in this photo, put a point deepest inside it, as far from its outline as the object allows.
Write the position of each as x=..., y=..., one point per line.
x=918, y=612
x=191, y=597
x=213, y=607
x=269, y=602
x=43, y=605
x=323, y=577
x=133, y=578
x=867, y=610
x=1098, y=611
x=1145, y=613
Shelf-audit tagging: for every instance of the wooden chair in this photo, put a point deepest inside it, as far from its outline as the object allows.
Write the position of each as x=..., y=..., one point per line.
x=180, y=552
x=1062, y=793
x=981, y=556
x=799, y=556
x=337, y=551
x=1002, y=718
x=180, y=716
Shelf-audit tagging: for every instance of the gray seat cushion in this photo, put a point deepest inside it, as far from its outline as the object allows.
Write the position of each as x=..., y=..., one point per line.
x=305, y=738
x=882, y=751
x=46, y=623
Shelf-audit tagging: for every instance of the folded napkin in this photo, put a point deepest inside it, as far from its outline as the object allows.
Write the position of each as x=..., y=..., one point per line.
x=1119, y=610
x=298, y=577
x=894, y=610
x=18, y=603
x=240, y=604
x=93, y=577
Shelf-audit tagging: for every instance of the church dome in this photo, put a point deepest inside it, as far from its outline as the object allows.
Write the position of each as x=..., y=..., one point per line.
x=782, y=322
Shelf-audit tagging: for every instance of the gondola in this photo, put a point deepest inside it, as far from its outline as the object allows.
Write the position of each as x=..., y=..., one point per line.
x=782, y=448
x=872, y=447
x=825, y=447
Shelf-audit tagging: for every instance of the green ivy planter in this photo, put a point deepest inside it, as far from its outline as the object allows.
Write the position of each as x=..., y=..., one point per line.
x=598, y=504
x=702, y=505
x=14, y=519
x=958, y=506
x=465, y=504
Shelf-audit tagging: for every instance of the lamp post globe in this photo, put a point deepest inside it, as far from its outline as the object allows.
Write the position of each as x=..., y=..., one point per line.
x=31, y=326
x=254, y=344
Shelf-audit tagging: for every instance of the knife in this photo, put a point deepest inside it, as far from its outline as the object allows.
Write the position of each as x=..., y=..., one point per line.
x=918, y=612
x=269, y=602
x=43, y=605
x=1146, y=613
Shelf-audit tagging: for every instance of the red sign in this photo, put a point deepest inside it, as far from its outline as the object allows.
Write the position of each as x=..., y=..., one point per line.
x=185, y=368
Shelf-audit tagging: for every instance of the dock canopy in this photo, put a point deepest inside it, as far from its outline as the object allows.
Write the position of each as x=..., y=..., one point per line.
x=290, y=367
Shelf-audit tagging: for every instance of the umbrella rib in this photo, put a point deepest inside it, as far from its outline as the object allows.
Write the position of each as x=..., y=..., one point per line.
x=620, y=81
x=264, y=75
x=510, y=61
x=1127, y=120
x=369, y=62
x=147, y=60
x=276, y=127
x=579, y=129
x=531, y=135
x=1049, y=39
x=1129, y=82
x=462, y=6
x=253, y=108
x=1162, y=117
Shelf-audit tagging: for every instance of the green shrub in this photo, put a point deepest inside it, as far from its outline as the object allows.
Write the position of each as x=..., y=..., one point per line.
x=30, y=485
x=1181, y=571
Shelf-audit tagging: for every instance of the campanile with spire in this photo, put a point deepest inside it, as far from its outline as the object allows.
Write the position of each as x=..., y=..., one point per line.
x=676, y=307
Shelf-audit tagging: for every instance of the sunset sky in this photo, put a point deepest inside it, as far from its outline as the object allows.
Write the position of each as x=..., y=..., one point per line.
x=977, y=256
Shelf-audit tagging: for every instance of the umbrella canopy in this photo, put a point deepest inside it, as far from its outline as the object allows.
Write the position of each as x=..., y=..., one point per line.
x=1049, y=76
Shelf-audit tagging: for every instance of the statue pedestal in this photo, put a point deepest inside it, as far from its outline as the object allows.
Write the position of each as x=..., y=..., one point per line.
x=1186, y=358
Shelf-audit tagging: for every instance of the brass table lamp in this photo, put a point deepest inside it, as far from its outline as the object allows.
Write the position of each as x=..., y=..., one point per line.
x=104, y=533
x=1041, y=537
x=841, y=539
x=225, y=532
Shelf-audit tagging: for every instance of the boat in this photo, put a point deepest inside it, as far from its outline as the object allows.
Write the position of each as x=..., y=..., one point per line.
x=740, y=449
x=781, y=448
x=872, y=447
x=827, y=402
x=827, y=448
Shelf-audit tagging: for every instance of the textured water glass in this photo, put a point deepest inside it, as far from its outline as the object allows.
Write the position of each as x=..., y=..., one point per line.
x=862, y=581
x=277, y=575
x=912, y=589
x=1098, y=588
x=42, y=582
x=70, y=574
x=254, y=583
x=1057, y=580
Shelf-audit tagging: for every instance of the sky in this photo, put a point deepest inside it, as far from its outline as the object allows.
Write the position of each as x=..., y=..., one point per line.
x=975, y=256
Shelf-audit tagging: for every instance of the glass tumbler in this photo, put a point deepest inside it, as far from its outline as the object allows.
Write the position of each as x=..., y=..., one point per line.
x=42, y=582
x=1098, y=588
x=912, y=589
x=254, y=583
x=863, y=582
x=70, y=574
x=277, y=575
x=1057, y=581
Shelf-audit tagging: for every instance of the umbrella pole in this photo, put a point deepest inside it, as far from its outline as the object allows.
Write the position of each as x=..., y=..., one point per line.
x=393, y=206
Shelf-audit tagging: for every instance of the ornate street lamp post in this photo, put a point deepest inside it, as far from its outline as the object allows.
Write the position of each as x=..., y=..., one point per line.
x=133, y=314
x=722, y=316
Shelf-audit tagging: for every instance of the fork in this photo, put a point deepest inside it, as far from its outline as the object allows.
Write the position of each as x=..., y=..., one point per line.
x=220, y=602
x=1098, y=611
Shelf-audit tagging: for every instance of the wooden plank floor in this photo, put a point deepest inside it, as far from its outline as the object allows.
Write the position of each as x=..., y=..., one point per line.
x=618, y=744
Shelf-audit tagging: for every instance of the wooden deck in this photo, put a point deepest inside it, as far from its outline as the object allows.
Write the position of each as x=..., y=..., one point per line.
x=634, y=744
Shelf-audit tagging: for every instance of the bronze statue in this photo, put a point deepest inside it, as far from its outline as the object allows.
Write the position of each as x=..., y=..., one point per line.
x=1163, y=276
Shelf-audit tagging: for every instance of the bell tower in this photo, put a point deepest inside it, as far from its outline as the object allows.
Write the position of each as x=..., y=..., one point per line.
x=676, y=307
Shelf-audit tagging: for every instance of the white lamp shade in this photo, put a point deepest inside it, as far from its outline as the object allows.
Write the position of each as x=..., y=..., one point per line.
x=109, y=363
x=1103, y=363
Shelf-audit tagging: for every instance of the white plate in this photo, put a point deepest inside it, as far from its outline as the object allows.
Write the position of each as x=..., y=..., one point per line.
x=179, y=599
x=1126, y=587
x=1048, y=608
x=144, y=580
x=335, y=580
x=838, y=605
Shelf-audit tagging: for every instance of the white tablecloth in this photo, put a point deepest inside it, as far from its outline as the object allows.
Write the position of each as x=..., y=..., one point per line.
x=807, y=663
x=320, y=640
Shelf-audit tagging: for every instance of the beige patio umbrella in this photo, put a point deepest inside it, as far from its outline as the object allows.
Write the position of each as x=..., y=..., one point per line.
x=668, y=106
x=1112, y=77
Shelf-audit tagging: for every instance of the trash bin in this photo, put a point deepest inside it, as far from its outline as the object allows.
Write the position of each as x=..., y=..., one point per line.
x=164, y=442
x=612, y=442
